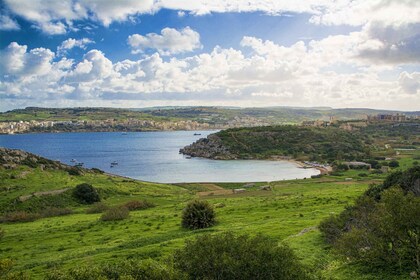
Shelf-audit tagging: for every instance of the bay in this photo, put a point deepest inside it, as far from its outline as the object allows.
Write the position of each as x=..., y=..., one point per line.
x=150, y=156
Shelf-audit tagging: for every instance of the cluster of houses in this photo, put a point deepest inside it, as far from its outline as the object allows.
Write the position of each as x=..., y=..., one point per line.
x=110, y=124
x=357, y=124
x=126, y=124
x=22, y=126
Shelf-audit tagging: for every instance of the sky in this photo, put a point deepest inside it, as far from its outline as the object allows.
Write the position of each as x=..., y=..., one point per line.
x=248, y=53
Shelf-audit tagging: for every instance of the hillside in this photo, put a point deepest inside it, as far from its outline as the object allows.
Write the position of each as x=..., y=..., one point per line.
x=34, y=119
x=304, y=143
x=289, y=212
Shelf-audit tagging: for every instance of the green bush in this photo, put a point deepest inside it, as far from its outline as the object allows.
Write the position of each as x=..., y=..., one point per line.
x=139, y=270
x=138, y=205
x=115, y=214
x=86, y=193
x=382, y=229
x=226, y=256
x=198, y=214
x=74, y=171
x=97, y=207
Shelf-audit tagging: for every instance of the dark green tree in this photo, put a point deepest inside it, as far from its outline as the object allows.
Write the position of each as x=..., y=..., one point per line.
x=86, y=193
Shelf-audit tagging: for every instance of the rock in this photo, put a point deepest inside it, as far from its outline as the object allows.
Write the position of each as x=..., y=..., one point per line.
x=413, y=274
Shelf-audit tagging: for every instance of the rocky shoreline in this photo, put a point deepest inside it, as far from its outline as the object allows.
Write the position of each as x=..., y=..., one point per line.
x=211, y=147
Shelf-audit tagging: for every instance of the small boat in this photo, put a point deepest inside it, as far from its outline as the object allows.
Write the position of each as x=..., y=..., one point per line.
x=195, y=134
x=73, y=160
x=114, y=163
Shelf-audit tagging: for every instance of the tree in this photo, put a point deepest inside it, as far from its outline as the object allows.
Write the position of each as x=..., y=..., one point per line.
x=198, y=214
x=226, y=256
x=86, y=193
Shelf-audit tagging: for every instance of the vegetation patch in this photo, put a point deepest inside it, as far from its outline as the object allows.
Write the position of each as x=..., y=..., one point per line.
x=86, y=193
x=198, y=214
x=382, y=229
x=226, y=256
x=134, y=205
x=115, y=214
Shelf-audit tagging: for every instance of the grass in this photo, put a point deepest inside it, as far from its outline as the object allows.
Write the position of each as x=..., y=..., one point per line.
x=288, y=213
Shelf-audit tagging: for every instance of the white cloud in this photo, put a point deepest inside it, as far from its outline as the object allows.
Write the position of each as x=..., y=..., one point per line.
x=7, y=23
x=72, y=43
x=270, y=74
x=170, y=41
x=56, y=17
x=410, y=82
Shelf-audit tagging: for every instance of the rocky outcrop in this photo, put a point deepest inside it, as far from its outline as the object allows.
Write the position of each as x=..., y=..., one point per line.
x=211, y=147
x=11, y=159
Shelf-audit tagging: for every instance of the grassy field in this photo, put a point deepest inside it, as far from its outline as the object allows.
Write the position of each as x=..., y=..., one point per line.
x=289, y=213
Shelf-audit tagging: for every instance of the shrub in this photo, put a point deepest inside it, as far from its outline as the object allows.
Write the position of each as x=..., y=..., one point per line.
x=74, y=171
x=198, y=214
x=55, y=211
x=115, y=214
x=394, y=163
x=138, y=205
x=139, y=270
x=19, y=216
x=97, y=170
x=381, y=230
x=86, y=194
x=97, y=207
x=226, y=256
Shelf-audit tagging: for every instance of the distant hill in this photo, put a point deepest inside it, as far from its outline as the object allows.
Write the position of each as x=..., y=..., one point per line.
x=177, y=118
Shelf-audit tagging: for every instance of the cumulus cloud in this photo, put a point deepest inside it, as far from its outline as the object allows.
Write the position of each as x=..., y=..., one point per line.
x=410, y=82
x=55, y=17
x=269, y=74
x=72, y=43
x=170, y=41
x=7, y=23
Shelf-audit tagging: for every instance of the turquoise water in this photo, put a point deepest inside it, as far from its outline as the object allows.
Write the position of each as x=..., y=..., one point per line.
x=150, y=156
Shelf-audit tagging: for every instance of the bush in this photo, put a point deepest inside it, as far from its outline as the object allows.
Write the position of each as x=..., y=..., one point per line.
x=394, y=163
x=138, y=205
x=55, y=211
x=198, y=214
x=19, y=217
x=97, y=207
x=86, y=194
x=115, y=214
x=74, y=171
x=226, y=256
x=139, y=270
x=382, y=229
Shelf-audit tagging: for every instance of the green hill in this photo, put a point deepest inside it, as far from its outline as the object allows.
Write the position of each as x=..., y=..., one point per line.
x=290, y=212
x=303, y=143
